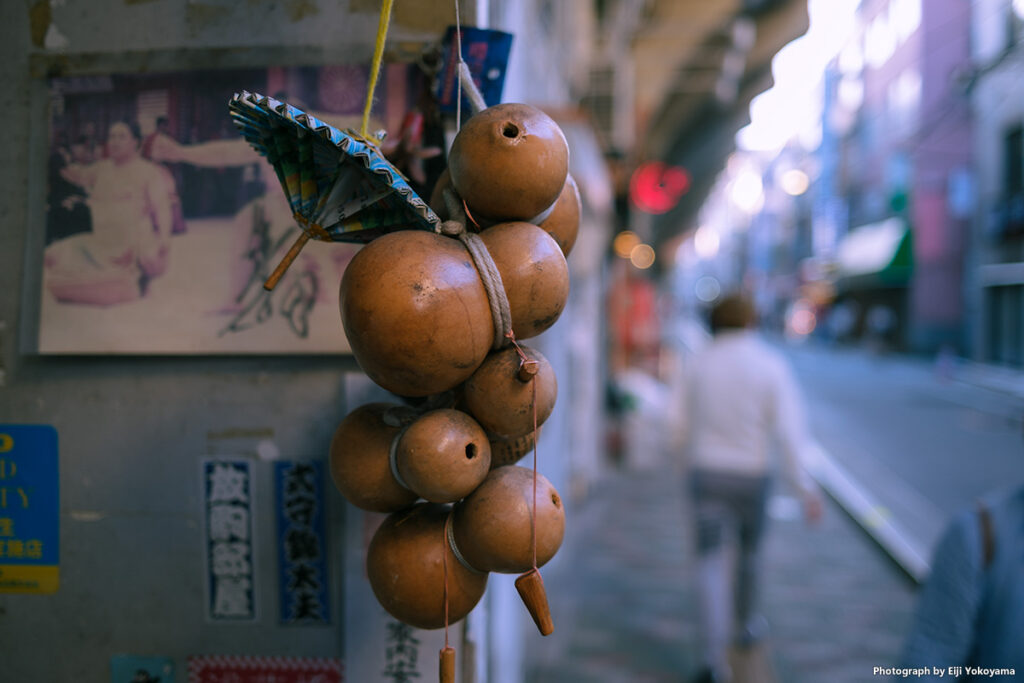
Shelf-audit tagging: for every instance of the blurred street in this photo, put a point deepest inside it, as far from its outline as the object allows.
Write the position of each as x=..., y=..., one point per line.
x=911, y=442
x=899, y=438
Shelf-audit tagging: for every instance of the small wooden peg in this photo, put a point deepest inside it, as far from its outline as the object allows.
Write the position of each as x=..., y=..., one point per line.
x=531, y=589
x=447, y=665
x=527, y=370
x=278, y=273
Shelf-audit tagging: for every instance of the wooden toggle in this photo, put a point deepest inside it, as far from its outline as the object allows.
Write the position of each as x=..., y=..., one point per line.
x=447, y=665
x=528, y=369
x=531, y=589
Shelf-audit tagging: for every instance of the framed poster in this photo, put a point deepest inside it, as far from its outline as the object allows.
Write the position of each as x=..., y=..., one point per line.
x=162, y=223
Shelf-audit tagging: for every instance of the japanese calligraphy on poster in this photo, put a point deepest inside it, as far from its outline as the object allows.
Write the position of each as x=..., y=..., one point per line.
x=302, y=542
x=162, y=222
x=216, y=669
x=401, y=655
x=227, y=488
x=29, y=509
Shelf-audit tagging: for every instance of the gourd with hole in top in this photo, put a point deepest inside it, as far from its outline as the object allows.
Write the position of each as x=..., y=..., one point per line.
x=509, y=162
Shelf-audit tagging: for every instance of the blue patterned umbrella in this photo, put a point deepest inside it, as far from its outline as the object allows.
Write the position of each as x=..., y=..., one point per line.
x=339, y=185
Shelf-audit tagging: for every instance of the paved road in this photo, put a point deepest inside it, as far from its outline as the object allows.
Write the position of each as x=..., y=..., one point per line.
x=919, y=444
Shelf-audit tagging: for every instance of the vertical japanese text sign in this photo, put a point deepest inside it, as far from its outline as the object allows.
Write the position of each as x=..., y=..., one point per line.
x=302, y=542
x=402, y=653
x=227, y=489
x=29, y=509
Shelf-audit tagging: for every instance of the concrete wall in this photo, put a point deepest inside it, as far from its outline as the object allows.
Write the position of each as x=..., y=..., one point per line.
x=133, y=430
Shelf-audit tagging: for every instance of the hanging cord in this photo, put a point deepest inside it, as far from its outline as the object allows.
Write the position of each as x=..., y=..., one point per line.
x=458, y=81
x=446, y=660
x=378, y=54
x=476, y=98
x=444, y=564
x=527, y=368
x=501, y=316
x=465, y=78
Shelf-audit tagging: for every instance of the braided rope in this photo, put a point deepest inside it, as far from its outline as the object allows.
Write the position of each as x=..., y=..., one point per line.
x=501, y=315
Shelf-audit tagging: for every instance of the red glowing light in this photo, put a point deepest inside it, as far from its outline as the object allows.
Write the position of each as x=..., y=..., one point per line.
x=656, y=187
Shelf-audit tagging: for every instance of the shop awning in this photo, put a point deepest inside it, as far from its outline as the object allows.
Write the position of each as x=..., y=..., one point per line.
x=875, y=255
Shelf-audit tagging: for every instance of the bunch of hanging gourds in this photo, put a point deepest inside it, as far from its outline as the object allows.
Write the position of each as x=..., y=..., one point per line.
x=436, y=318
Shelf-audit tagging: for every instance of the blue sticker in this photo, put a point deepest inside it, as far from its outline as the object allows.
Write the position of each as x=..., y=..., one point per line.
x=29, y=509
x=227, y=487
x=301, y=542
x=486, y=53
x=132, y=669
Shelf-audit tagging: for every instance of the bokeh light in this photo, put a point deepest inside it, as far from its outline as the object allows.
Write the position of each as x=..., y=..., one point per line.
x=642, y=256
x=794, y=182
x=624, y=243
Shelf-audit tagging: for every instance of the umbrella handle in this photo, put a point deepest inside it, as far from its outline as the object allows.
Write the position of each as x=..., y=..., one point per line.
x=286, y=261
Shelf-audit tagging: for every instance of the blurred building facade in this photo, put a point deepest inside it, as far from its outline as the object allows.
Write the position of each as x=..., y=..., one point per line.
x=993, y=79
x=896, y=143
x=912, y=224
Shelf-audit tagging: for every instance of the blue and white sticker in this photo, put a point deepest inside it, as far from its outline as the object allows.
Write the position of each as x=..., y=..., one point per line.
x=302, y=542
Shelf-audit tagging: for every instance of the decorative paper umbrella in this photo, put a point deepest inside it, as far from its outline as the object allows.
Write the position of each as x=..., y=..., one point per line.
x=339, y=185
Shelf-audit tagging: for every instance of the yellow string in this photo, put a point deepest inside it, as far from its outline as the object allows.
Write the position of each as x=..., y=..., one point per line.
x=378, y=54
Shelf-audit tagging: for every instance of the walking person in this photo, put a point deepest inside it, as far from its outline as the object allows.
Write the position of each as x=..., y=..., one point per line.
x=741, y=402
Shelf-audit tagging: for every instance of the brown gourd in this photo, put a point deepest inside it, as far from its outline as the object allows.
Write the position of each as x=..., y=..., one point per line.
x=405, y=564
x=360, y=457
x=563, y=223
x=501, y=393
x=415, y=312
x=443, y=455
x=509, y=162
x=493, y=526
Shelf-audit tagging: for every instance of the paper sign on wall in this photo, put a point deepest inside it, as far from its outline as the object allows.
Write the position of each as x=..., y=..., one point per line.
x=227, y=494
x=302, y=542
x=29, y=509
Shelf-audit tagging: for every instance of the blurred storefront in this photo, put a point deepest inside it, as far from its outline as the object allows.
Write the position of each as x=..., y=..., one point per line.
x=993, y=81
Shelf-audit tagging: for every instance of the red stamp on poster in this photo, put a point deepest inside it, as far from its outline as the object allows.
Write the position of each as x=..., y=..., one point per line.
x=224, y=669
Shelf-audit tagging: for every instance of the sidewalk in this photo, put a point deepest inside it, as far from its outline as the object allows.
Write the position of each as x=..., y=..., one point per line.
x=992, y=377
x=625, y=610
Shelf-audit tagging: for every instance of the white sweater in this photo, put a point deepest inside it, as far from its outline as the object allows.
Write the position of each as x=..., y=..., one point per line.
x=741, y=399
